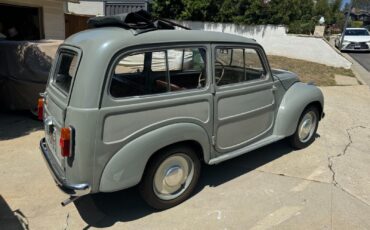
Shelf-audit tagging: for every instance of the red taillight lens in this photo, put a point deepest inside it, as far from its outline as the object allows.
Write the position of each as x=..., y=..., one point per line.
x=65, y=142
x=40, y=108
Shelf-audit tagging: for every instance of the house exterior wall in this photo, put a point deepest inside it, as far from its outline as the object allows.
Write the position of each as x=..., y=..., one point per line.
x=87, y=8
x=53, y=15
x=106, y=7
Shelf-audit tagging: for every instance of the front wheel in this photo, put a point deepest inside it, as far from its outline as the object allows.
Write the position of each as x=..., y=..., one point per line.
x=170, y=178
x=306, y=129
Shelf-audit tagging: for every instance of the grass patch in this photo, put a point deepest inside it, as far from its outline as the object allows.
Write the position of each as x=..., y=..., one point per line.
x=322, y=75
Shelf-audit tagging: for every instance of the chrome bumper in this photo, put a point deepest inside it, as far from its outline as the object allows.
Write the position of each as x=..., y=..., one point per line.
x=58, y=175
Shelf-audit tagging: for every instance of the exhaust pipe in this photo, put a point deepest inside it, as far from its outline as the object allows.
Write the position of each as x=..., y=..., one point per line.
x=69, y=200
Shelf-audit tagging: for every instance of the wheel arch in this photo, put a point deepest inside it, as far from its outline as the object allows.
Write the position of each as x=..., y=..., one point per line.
x=126, y=168
x=298, y=97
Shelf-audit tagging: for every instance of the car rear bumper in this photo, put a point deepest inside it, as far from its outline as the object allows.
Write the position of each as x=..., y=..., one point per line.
x=59, y=178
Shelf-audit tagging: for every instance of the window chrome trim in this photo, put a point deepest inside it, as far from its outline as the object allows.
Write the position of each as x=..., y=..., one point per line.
x=125, y=53
x=263, y=61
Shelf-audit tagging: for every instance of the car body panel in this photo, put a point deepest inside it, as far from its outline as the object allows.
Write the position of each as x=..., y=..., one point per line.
x=127, y=166
x=295, y=100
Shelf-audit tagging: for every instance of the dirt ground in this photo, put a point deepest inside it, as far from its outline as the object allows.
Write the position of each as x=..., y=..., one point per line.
x=325, y=186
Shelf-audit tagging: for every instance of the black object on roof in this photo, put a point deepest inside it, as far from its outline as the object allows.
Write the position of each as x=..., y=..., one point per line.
x=140, y=21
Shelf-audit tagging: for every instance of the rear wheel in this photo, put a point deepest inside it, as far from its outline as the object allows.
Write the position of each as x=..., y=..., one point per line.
x=306, y=128
x=171, y=177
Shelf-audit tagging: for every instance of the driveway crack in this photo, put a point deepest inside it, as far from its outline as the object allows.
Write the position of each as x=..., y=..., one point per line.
x=343, y=153
x=67, y=222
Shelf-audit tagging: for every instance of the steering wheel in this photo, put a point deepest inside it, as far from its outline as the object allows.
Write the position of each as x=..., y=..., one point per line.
x=218, y=79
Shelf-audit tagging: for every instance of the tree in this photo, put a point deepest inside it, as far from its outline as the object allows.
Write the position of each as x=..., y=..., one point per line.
x=322, y=9
x=197, y=10
x=257, y=12
x=167, y=9
x=362, y=4
x=228, y=11
x=299, y=15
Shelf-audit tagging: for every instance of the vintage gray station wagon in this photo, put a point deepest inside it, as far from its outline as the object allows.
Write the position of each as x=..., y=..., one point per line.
x=126, y=107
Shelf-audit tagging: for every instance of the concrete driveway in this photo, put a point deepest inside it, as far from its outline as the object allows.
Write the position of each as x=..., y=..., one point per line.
x=325, y=186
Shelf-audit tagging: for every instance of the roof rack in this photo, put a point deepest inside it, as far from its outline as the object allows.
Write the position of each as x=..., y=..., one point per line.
x=140, y=21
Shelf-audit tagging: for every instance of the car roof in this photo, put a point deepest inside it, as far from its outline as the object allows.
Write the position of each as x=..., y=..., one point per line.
x=119, y=38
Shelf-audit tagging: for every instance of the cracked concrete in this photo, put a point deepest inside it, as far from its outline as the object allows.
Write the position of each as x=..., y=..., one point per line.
x=330, y=158
x=67, y=222
x=325, y=186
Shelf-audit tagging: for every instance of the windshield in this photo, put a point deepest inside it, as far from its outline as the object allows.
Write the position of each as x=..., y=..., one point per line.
x=357, y=32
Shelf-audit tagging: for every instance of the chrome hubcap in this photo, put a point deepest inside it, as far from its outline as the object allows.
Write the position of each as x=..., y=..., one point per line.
x=173, y=176
x=307, y=126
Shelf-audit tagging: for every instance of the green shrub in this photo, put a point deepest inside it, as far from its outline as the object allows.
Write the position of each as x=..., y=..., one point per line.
x=301, y=27
x=357, y=24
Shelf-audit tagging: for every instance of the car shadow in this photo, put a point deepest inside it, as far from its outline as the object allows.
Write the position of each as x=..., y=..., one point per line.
x=105, y=209
x=15, y=124
x=11, y=219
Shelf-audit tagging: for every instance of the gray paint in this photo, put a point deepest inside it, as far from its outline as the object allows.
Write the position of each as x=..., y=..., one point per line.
x=292, y=105
x=285, y=77
x=119, y=127
x=115, y=138
x=127, y=165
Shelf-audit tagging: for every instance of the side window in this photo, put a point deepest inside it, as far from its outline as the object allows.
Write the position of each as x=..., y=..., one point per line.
x=235, y=65
x=253, y=65
x=187, y=59
x=66, y=71
x=159, y=71
x=131, y=64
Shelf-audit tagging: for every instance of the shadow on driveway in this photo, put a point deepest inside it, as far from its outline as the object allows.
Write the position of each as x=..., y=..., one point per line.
x=17, y=124
x=105, y=209
x=11, y=219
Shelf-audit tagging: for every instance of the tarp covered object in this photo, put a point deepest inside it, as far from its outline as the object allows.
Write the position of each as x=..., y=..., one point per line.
x=24, y=70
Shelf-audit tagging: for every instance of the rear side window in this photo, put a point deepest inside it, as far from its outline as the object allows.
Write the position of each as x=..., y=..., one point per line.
x=162, y=71
x=65, y=71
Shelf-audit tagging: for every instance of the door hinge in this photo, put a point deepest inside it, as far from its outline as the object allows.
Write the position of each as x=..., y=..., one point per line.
x=213, y=140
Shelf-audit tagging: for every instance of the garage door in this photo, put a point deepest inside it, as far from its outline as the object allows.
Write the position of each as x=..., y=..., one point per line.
x=20, y=22
x=112, y=7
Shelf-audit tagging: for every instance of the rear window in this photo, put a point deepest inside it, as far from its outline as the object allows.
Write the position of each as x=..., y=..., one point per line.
x=65, y=71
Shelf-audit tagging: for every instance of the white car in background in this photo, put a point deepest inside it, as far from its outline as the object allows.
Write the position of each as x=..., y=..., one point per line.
x=355, y=39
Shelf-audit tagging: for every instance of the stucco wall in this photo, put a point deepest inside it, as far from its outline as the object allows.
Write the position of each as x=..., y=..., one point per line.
x=87, y=8
x=53, y=15
x=276, y=41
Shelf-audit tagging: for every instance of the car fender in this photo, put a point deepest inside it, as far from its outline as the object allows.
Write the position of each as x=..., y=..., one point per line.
x=295, y=100
x=127, y=166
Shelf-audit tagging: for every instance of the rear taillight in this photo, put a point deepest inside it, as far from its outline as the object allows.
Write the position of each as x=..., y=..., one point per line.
x=40, y=108
x=66, y=135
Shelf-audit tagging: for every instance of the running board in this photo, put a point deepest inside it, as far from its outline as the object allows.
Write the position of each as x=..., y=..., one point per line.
x=246, y=149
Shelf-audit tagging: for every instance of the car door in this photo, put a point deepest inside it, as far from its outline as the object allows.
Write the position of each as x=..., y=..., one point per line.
x=244, y=99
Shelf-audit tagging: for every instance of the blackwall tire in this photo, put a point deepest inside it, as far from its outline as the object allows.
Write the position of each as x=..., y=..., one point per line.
x=306, y=129
x=170, y=177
